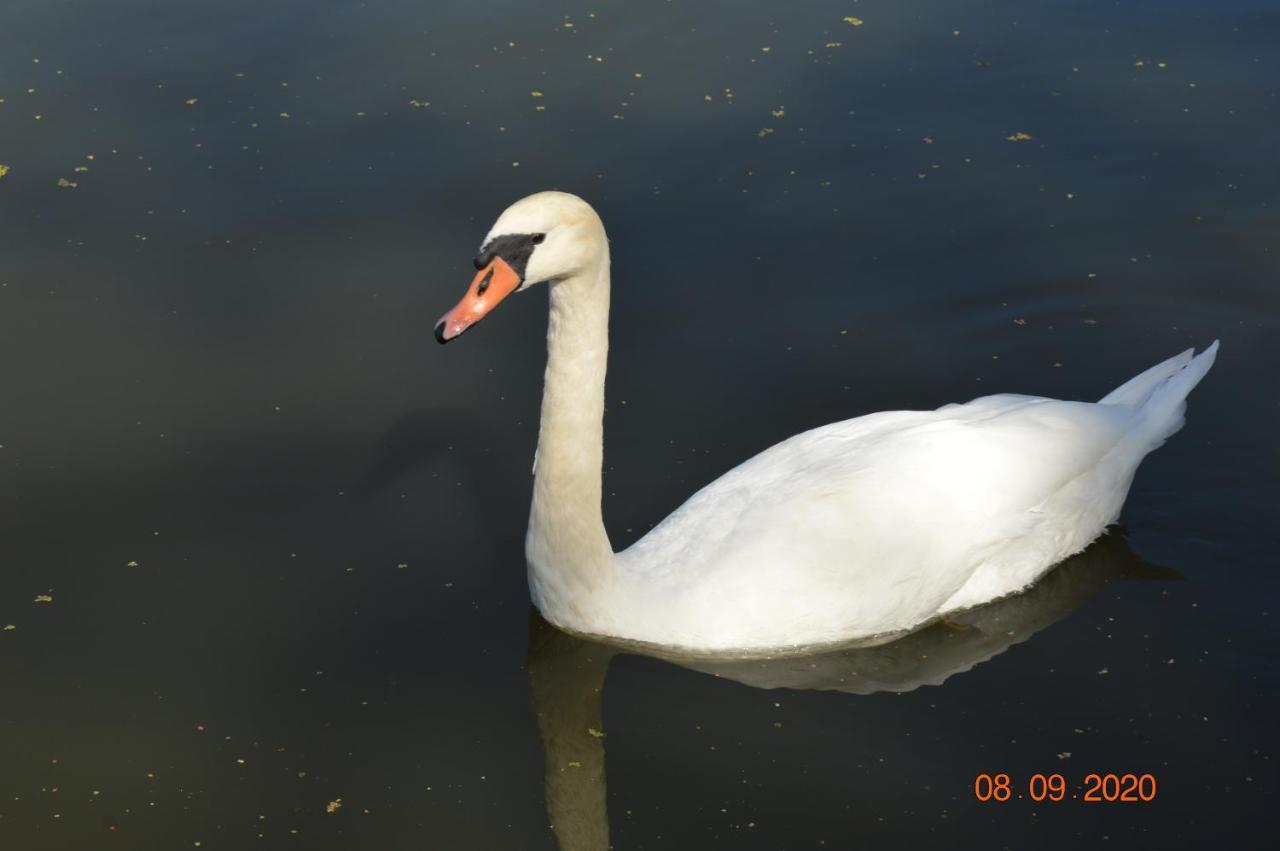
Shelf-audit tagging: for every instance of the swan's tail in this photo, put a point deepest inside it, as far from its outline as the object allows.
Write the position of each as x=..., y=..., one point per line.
x=1160, y=393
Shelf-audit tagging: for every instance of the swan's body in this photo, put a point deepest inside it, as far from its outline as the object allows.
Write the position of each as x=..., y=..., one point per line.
x=864, y=527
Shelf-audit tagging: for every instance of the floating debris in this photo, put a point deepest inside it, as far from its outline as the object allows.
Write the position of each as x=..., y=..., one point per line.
x=67, y=184
x=43, y=598
x=4, y=169
x=419, y=104
x=852, y=21
x=1020, y=136
x=192, y=101
x=133, y=564
x=333, y=806
x=10, y=627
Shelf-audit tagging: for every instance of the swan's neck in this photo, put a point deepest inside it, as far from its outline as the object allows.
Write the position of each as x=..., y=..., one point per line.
x=570, y=559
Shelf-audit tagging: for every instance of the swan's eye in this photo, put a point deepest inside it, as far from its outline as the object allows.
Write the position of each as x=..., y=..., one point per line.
x=536, y=239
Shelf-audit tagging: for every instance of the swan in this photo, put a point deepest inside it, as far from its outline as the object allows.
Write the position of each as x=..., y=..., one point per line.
x=868, y=527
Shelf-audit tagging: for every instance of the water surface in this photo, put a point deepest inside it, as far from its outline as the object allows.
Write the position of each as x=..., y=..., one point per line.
x=282, y=529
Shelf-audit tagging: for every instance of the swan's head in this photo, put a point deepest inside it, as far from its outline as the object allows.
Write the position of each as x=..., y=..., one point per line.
x=543, y=237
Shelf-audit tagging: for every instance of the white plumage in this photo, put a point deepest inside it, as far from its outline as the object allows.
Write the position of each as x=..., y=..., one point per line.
x=865, y=527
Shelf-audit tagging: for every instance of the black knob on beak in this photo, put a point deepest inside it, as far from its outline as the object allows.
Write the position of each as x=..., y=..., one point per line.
x=440, y=338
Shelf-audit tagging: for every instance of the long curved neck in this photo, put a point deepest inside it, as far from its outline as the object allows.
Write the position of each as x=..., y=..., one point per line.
x=567, y=547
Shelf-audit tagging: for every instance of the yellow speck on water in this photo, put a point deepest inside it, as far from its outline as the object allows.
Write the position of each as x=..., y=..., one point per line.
x=765, y=49
x=1019, y=322
x=594, y=733
x=764, y=131
x=568, y=25
x=81, y=168
x=132, y=564
x=1018, y=137
x=4, y=169
x=419, y=104
x=515, y=164
x=9, y=627
x=192, y=101
x=778, y=113
x=536, y=93
x=852, y=21
x=928, y=140
x=240, y=760
x=43, y=598
x=573, y=763
x=831, y=45
x=333, y=806
x=67, y=184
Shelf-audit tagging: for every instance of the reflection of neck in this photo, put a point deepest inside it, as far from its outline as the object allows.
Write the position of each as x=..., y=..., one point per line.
x=567, y=548
x=567, y=675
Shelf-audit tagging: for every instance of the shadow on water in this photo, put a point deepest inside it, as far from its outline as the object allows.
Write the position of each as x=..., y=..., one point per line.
x=567, y=673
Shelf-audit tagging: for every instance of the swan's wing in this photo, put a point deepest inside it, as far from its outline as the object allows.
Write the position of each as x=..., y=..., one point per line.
x=894, y=510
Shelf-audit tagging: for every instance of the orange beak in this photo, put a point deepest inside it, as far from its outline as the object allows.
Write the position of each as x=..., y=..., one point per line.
x=491, y=285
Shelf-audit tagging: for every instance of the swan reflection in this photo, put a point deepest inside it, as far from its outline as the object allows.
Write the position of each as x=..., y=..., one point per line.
x=567, y=673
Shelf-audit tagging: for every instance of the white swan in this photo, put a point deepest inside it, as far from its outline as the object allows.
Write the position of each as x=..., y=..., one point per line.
x=861, y=528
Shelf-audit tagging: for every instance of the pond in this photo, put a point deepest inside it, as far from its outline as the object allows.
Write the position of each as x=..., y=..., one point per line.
x=263, y=574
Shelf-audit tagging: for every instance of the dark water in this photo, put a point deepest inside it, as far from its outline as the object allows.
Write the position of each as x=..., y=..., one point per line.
x=282, y=529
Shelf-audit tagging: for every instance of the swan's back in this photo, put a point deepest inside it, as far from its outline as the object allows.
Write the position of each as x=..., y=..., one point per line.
x=882, y=522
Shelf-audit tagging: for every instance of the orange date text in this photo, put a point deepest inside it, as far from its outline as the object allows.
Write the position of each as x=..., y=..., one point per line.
x=1095, y=788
